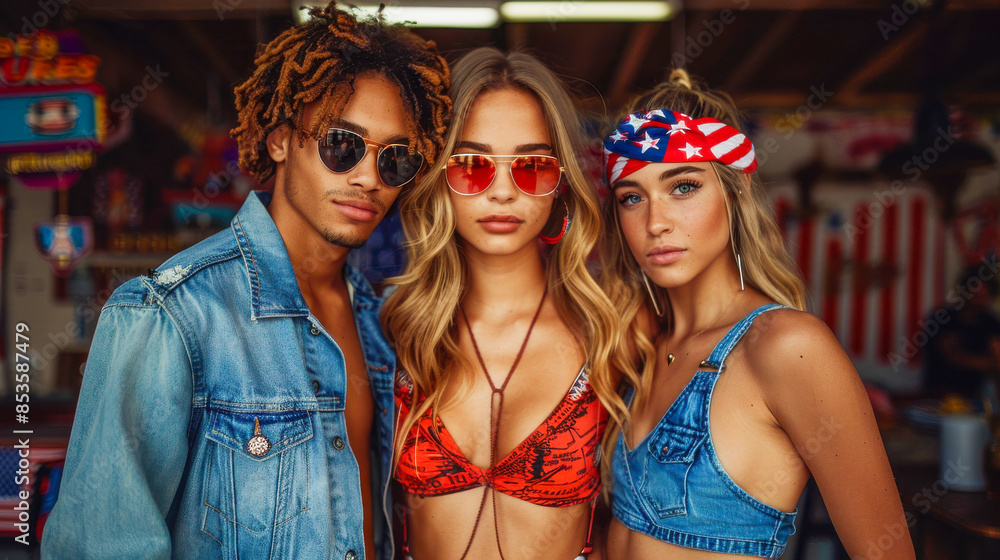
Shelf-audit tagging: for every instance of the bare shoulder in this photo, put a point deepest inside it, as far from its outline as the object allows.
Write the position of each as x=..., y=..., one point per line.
x=787, y=344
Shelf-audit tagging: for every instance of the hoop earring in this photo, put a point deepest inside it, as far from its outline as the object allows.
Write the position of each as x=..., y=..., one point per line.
x=554, y=222
x=652, y=297
x=739, y=265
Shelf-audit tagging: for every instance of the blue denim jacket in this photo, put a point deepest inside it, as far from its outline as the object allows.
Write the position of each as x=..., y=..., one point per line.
x=184, y=366
x=673, y=487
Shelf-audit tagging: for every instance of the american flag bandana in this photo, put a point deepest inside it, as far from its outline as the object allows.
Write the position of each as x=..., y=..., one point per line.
x=662, y=136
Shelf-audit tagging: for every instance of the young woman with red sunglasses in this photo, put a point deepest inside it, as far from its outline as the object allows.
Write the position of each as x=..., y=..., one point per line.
x=744, y=395
x=504, y=349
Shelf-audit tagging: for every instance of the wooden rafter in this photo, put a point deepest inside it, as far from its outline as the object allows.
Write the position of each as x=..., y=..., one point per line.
x=789, y=100
x=887, y=57
x=758, y=55
x=631, y=60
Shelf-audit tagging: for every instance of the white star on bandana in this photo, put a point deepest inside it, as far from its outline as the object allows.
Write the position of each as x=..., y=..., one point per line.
x=690, y=150
x=648, y=143
x=617, y=136
x=679, y=127
x=636, y=122
x=655, y=113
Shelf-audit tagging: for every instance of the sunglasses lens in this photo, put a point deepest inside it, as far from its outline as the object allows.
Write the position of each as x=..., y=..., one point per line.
x=470, y=173
x=536, y=175
x=397, y=166
x=341, y=150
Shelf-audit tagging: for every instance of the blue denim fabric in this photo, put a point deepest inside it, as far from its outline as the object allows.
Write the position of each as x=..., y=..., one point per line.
x=673, y=487
x=182, y=366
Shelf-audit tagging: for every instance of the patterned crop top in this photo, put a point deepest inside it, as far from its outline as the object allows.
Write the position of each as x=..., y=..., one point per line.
x=556, y=466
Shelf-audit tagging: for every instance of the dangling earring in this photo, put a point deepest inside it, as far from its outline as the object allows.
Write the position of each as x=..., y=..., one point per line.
x=739, y=265
x=556, y=226
x=652, y=297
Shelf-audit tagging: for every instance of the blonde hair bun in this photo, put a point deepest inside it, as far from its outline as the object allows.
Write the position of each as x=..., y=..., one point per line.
x=679, y=76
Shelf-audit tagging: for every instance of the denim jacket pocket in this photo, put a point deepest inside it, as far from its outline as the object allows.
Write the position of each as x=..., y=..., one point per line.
x=670, y=454
x=257, y=477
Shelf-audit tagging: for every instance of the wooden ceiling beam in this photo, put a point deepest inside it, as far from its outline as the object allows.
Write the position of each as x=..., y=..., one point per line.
x=784, y=100
x=758, y=55
x=516, y=35
x=905, y=41
x=215, y=55
x=631, y=60
x=183, y=9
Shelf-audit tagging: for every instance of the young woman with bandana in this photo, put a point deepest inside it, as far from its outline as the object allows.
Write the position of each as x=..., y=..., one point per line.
x=744, y=395
x=505, y=380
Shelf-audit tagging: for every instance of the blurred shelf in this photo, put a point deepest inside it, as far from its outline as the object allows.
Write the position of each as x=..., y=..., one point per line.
x=108, y=259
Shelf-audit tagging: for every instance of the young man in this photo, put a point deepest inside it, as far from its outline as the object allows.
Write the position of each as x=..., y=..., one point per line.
x=238, y=401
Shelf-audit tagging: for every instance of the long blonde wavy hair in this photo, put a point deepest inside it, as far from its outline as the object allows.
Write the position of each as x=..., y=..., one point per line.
x=420, y=316
x=753, y=233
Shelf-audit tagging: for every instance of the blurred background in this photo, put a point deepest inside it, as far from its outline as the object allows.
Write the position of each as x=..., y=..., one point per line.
x=876, y=125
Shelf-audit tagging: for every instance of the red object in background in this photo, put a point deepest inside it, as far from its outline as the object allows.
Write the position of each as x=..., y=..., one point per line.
x=887, y=299
x=881, y=404
x=831, y=291
x=807, y=227
x=914, y=280
x=859, y=296
x=48, y=456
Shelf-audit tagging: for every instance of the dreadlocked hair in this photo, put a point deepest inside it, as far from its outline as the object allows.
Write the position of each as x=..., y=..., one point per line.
x=318, y=61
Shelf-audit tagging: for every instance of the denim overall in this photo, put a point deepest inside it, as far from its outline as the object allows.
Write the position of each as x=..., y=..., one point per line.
x=672, y=485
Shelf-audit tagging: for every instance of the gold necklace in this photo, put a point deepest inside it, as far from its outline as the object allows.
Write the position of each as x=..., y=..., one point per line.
x=671, y=357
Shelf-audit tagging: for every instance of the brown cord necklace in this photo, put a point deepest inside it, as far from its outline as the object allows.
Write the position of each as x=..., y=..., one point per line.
x=495, y=420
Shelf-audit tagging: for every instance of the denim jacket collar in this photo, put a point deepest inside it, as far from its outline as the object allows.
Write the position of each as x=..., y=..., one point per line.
x=273, y=288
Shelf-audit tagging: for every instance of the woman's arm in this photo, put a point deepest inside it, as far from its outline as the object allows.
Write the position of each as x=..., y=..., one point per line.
x=817, y=398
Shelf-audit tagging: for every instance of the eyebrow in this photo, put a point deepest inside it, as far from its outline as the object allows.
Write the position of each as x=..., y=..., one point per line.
x=357, y=128
x=665, y=176
x=519, y=149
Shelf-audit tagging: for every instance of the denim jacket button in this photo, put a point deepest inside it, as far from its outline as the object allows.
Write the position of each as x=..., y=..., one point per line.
x=338, y=443
x=316, y=386
x=258, y=445
x=665, y=450
x=351, y=555
x=314, y=330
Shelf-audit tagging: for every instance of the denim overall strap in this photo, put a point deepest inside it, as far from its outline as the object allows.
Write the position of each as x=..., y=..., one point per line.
x=718, y=357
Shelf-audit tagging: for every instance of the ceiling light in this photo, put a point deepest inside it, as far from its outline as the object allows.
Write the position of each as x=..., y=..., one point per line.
x=464, y=14
x=554, y=12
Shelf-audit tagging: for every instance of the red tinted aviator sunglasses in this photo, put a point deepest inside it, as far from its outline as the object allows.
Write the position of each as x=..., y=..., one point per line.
x=470, y=174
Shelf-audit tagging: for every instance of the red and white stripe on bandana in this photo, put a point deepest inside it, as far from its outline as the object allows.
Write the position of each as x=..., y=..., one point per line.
x=662, y=136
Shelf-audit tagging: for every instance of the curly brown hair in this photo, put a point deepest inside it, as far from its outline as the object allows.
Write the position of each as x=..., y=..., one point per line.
x=318, y=61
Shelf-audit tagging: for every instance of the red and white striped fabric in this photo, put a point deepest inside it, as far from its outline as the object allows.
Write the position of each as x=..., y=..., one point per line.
x=663, y=136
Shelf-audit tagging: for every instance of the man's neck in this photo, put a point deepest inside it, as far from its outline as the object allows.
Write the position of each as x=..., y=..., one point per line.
x=317, y=263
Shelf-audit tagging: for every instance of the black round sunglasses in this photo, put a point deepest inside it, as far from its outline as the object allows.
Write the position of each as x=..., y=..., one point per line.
x=342, y=150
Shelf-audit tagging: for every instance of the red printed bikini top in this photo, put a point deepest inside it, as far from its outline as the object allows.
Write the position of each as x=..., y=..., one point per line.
x=557, y=465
